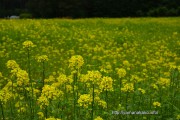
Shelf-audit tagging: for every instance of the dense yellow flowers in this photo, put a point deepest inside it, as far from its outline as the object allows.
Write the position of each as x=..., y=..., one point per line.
x=41, y=115
x=28, y=44
x=76, y=62
x=164, y=82
x=87, y=69
x=12, y=64
x=5, y=95
x=85, y=100
x=121, y=72
x=49, y=93
x=42, y=58
x=106, y=84
x=128, y=87
x=22, y=77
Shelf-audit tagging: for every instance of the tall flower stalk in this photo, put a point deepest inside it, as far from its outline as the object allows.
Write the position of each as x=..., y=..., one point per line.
x=27, y=45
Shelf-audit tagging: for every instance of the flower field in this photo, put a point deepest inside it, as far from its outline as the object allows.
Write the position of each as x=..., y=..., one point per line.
x=90, y=69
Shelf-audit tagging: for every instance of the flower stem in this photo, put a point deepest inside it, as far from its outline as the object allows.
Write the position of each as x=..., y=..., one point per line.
x=2, y=111
x=92, y=113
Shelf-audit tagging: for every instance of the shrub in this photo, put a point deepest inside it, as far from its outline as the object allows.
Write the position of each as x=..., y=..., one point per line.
x=25, y=15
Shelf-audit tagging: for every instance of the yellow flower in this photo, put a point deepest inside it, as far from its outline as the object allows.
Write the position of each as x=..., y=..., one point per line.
x=178, y=117
x=164, y=82
x=5, y=95
x=106, y=84
x=154, y=86
x=22, y=77
x=42, y=58
x=1, y=75
x=41, y=115
x=94, y=76
x=142, y=90
x=52, y=118
x=43, y=101
x=28, y=44
x=121, y=72
x=12, y=64
x=156, y=104
x=128, y=87
x=126, y=63
x=85, y=100
x=76, y=62
x=51, y=92
x=98, y=118
x=102, y=103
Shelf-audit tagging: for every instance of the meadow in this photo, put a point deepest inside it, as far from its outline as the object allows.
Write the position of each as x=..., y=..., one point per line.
x=90, y=69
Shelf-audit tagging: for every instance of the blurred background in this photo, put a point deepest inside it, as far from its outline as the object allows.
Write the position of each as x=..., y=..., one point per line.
x=88, y=8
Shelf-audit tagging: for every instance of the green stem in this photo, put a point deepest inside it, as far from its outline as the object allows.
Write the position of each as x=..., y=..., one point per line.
x=92, y=113
x=74, y=94
x=2, y=111
x=29, y=72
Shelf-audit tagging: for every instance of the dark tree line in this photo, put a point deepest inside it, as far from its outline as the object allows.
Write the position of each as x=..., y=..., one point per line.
x=89, y=8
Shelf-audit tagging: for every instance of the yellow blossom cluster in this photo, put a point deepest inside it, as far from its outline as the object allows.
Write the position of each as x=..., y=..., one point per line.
x=164, y=82
x=42, y=58
x=52, y=118
x=62, y=78
x=142, y=90
x=93, y=76
x=21, y=75
x=11, y=64
x=156, y=104
x=98, y=118
x=85, y=100
x=128, y=87
x=41, y=115
x=76, y=62
x=28, y=44
x=5, y=94
x=121, y=72
x=106, y=84
x=126, y=63
x=49, y=92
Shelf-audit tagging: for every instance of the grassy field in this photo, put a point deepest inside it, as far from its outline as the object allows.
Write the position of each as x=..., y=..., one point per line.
x=90, y=69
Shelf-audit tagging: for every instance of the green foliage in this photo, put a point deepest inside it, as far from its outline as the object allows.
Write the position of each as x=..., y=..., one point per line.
x=25, y=15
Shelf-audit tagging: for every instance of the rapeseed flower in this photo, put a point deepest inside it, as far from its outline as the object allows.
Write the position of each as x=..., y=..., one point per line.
x=98, y=118
x=156, y=104
x=85, y=100
x=52, y=118
x=41, y=115
x=142, y=90
x=76, y=62
x=121, y=72
x=178, y=117
x=106, y=84
x=22, y=77
x=164, y=82
x=28, y=44
x=42, y=58
x=5, y=95
x=12, y=64
x=128, y=87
